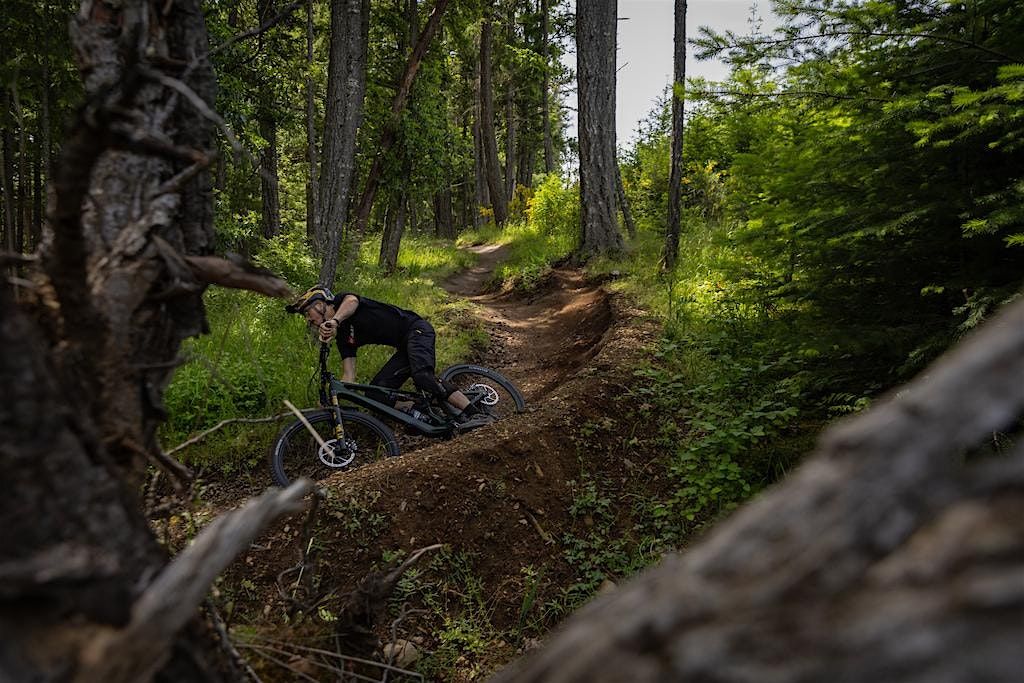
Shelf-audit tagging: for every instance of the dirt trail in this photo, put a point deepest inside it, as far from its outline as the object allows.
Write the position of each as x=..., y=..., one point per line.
x=499, y=495
x=540, y=340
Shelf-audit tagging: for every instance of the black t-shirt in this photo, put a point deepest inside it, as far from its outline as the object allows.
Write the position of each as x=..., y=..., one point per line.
x=374, y=322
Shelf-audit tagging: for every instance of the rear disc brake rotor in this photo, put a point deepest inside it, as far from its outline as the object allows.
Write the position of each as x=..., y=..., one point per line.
x=489, y=393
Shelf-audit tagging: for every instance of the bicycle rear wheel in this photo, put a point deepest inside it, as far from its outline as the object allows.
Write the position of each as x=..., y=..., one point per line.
x=297, y=454
x=488, y=390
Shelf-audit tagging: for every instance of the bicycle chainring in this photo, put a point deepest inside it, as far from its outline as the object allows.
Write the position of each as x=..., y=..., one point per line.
x=337, y=457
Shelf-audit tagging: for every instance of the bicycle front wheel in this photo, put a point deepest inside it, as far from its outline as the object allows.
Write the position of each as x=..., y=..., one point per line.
x=489, y=390
x=296, y=453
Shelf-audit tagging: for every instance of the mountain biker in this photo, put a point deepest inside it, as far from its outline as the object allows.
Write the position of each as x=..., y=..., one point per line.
x=364, y=321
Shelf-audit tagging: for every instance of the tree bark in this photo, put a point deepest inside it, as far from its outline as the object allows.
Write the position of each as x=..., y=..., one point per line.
x=37, y=197
x=7, y=179
x=526, y=167
x=390, y=133
x=595, y=45
x=492, y=167
x=549, y=146
x=444, y=222
x=271, y=221
x=480, y=193
x=510, y=108
x=313, y=185
x=346, y=86
x=132, y=203
x=391, y=240
x=675, y=184
x=627, y=213
x=24, y=211
x=883, y=558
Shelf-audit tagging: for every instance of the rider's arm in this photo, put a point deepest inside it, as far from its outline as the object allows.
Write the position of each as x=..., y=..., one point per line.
x=348, y=369
x=346, y=308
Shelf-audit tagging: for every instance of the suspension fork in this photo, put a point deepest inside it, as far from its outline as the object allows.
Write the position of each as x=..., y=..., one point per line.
x=325, y=391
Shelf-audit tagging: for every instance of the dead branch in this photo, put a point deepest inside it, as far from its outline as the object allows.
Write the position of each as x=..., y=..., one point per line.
x=137, y=651
x=181, y=476
x=199, y=103
x=328, y=653
x=237, y=274
x=261, y=29
x=878, y=536
x=7, y=257
x=220, y=425
x=357, y=613
x=225, y=639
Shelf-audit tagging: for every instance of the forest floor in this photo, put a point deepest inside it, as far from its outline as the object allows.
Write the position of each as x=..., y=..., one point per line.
x=506, y=501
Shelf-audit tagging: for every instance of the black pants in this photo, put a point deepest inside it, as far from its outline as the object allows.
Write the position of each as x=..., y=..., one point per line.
x=415, y=359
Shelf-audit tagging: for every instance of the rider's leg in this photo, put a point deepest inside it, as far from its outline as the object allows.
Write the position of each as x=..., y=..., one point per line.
x=392, y=375
x=420, y=346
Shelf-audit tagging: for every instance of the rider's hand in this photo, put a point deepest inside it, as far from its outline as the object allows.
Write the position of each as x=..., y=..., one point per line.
x=328, y=329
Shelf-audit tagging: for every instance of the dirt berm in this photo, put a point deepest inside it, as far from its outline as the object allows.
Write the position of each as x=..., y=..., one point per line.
x=500, y=495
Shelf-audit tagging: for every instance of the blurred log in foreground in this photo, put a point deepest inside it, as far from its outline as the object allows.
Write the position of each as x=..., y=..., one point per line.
x=884, y=558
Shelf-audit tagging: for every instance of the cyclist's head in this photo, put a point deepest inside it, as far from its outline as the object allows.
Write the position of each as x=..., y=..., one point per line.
x=307, y=299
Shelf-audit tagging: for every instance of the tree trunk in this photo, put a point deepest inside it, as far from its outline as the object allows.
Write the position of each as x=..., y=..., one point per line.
x=7, y=179
x=675, y=183
x=549, y=146
x=391, y=240
x=510, y=146
x=627, y=214
x=884, y=557
x=24, y=176
x=268, y=176
x=595, y=46
x=85, y=592
x=526, y=167
x=444, y=221
x=492, y=167
x=313, y=185
x=390, y=133
x=346, y=86
x=37, y=197
x=510, y=109
x=480, y=193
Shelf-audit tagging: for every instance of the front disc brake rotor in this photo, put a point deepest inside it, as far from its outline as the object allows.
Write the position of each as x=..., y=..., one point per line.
x=489, y=393
x=333, y=455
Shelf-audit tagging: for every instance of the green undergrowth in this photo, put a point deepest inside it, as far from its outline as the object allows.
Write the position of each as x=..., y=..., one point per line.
x=541, y=231
x=733, y=389
x=257, y=355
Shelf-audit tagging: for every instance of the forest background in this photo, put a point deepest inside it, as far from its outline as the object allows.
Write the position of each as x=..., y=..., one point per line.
x=852, y=204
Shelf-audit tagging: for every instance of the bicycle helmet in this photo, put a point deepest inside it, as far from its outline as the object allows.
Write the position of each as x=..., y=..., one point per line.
x=310, y=297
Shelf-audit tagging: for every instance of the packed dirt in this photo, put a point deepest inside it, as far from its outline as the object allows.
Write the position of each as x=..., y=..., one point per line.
x=499, y=495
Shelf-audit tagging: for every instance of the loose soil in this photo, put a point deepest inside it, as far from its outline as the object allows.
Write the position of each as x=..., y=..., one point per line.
x=499, y=496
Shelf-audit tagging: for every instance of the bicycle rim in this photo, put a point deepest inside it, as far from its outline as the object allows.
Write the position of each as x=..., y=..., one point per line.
x=298, y=454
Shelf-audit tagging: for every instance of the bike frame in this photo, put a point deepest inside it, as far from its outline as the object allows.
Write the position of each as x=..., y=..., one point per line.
x=333, y=391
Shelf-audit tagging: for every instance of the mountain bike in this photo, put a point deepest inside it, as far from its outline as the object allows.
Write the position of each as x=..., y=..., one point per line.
x=349, y=425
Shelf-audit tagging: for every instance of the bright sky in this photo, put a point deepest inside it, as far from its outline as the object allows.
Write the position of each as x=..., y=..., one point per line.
x=645, y=52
